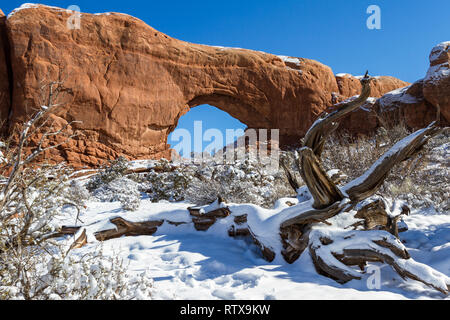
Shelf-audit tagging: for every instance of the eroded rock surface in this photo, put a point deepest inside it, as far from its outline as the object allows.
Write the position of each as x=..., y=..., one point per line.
x=415, y=105
x=129, y=84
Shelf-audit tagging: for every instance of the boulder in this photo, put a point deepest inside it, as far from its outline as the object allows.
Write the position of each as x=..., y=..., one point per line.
x=407, y=105
x=436, y=88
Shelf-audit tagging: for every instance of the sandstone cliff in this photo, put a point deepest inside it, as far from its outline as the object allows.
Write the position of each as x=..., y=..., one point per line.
x=129, y=84
x=415, y=105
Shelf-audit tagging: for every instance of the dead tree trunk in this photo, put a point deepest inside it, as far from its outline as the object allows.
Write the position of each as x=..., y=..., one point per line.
x=301, y=232
x=333, y=250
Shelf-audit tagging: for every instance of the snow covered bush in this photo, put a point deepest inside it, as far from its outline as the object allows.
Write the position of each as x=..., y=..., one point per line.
x=245, y=181
x=32, y=266
x=121, y=189
x=34, y=199
x=32, y=196
x=167, y=181
x=57, y=275
x=112, y=183
x=422, y=181
x=78, y=192
x=425, y=181
x=115, y=169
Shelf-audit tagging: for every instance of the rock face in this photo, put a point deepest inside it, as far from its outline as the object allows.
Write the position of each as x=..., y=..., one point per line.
x=415, y=105
x=5, y=98
x=436, y=88
x=129, y=84
x=350, y=86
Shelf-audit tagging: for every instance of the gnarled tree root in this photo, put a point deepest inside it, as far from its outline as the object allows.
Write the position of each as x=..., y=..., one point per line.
x=334, y=251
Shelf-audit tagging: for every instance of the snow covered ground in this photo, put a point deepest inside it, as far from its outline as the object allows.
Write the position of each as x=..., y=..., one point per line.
x=188, y=264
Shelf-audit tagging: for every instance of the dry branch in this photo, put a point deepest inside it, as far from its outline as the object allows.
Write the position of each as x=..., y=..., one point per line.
x=79, y=242
x=316, y=215
x=291, y=179
x=319, y=131
x=333, y=253
x=366, y=185
x=322, y=188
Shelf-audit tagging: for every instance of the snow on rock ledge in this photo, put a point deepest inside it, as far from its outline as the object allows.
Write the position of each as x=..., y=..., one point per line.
x=436, y=88
x=440, y=53
x=414, y=104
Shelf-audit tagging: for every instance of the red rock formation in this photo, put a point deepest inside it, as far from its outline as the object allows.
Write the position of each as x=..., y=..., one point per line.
x=406, y=105
x=350, y=86
x=436, y=87
x=414, y=105
x=4, y=73
x=130, y=83
x=361, y=121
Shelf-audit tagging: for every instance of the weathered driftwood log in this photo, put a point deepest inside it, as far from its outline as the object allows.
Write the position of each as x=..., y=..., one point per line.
x=317, y=215
x=373, y=216
x=322, y=188
x=236, y=232
x=294, y=239
x=333, y=252
x=267, y=252
x=65, y=230
x=204, y=217
x=330, y=200
x=291, y=179
x=294, y=232
x=128, y=228
x=79, y=242
x=62, y=231
x=240, y=228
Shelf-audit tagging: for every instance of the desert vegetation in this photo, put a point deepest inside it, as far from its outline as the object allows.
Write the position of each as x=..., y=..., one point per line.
x=317, y=185
x=324, y=195
x=32, y=264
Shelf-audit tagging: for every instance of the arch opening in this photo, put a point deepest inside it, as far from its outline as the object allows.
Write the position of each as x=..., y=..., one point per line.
x=204, y=129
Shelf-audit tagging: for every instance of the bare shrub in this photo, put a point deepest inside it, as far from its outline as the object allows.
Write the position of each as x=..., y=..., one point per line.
x=113, y=170
x=423, y=180
x=40, y=274
x=244, y=181
x=32, y=265
x=122, y=189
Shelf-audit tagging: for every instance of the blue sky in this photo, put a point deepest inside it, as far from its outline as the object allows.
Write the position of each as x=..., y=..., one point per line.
x=332, y=32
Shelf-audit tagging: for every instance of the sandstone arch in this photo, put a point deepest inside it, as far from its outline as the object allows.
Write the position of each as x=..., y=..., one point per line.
x=129, y=84
x=239, y=110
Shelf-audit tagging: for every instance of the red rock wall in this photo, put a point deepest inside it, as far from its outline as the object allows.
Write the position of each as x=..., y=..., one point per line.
x=4, y=74
x=129, y=84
